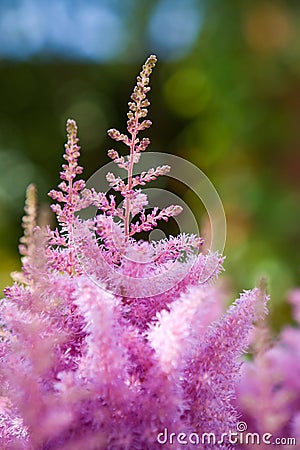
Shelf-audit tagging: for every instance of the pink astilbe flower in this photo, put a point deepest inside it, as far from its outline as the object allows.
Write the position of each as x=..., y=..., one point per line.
x=27, y=245
x=69, y=195
x=273, y=378
x=137, y=112
x=106, y=340
x=213, y=366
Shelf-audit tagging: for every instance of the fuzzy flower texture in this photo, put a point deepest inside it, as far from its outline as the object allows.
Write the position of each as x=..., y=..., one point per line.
x=107, y=340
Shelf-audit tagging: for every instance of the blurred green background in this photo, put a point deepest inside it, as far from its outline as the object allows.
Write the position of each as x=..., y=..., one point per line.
x=225, y=95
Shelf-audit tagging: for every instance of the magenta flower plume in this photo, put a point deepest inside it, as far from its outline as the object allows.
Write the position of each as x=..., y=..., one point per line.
x=273, y=377
x=69, y=196
x=108, y=341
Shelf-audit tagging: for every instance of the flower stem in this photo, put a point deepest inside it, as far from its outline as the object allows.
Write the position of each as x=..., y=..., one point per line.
x=129, y=182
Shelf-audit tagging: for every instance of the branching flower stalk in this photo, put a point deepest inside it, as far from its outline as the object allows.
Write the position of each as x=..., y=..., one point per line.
x=133, y=125
x=29, y=222
x=68, y=194
x=137, y=111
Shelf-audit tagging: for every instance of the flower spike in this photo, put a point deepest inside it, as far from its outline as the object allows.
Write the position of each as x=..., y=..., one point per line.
x=136, y=123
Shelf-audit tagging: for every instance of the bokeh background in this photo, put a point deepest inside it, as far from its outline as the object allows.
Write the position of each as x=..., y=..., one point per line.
x=226, y=96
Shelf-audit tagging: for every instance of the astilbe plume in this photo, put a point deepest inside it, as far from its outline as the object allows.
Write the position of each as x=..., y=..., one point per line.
x=108, y=340
x=272, y=376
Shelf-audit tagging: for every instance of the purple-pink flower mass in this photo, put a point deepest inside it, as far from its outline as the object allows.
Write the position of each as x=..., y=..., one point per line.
x=107, y=340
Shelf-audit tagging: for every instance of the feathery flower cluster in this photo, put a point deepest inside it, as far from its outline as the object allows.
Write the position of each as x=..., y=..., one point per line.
x=108, y=340
x=273, y=378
